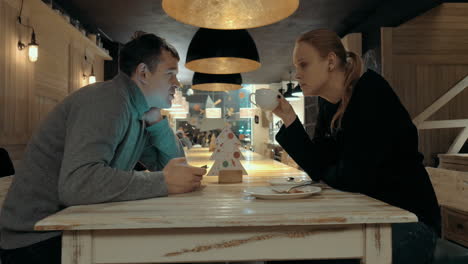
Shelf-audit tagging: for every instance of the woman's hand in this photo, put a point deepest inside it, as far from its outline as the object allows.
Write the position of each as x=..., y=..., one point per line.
x=285, y=111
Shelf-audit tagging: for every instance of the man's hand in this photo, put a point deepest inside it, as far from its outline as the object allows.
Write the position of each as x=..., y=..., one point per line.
x=153, y=116
x=181, y=177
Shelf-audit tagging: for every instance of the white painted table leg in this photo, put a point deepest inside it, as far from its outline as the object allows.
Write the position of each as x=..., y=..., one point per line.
x=378, y=244
x=77, y=247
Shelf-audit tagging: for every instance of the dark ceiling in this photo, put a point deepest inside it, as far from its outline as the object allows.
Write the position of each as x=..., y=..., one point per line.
x=120, y=18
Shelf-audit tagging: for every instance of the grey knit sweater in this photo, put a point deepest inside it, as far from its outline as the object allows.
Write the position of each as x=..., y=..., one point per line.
x=84, y=152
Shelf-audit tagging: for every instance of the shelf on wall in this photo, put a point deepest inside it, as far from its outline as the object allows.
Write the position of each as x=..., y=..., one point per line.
x=73, y=30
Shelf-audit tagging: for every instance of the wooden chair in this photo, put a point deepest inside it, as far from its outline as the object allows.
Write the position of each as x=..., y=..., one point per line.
x=451, y=188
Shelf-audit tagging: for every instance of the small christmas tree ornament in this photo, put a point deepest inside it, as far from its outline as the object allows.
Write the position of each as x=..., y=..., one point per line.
x=227, y=156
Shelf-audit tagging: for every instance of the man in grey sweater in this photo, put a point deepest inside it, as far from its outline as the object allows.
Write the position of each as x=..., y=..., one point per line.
x=86, y=149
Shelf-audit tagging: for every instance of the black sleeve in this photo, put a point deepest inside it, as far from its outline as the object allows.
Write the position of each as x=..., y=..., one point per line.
x=311, y=155
x=379, y=131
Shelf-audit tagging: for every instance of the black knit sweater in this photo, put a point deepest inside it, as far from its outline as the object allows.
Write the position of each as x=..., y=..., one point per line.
x=374, y=152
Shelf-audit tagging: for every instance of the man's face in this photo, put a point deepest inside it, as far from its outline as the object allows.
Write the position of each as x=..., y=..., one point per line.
x=160, y=84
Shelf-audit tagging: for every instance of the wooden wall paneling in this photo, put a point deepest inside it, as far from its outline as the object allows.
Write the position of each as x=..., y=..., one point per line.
x=29, y=91
x=99, y=69
x=451, y=15
x=424, y=58
x=437, y=37
x=76, y=70
x=42, y=105
x=447, y=103
x=439, y=81
x=386, y=43
x=52, y=66
x=430, y=46
x=403, y=77
x=15, y=79
x=456, y=108
x=2, y=64
x=353, y=42
x=433, y=82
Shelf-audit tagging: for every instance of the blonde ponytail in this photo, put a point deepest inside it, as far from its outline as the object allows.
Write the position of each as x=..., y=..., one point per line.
x=353, y=71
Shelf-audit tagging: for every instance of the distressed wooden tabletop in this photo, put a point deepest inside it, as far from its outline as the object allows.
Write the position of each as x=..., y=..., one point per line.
x=216, y=205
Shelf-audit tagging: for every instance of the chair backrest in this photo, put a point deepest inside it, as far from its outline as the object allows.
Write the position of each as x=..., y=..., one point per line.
x=6, y=165
x=451, y=187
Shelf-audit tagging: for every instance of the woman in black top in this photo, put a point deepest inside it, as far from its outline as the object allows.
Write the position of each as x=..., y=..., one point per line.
x=364, y=140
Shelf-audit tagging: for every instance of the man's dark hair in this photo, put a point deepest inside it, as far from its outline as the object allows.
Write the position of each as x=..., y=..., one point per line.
x=143, y=48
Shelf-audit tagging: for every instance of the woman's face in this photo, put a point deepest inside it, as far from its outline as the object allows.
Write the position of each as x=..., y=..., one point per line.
x=312, y=71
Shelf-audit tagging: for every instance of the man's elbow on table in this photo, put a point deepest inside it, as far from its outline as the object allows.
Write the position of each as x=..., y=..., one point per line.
x=94, y=183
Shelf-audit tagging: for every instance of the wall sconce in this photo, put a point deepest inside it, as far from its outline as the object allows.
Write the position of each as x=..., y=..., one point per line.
x=33, y=47
x=92, y=77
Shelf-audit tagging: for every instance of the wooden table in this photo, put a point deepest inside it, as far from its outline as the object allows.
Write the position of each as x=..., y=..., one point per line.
x=219, y=223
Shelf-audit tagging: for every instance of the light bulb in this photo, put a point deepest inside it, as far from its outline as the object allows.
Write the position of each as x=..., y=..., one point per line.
x=91, y=79
x=33, y=52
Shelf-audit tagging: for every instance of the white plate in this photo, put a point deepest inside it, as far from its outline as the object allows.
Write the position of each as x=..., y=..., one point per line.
x=268, y=193
x=284, y=181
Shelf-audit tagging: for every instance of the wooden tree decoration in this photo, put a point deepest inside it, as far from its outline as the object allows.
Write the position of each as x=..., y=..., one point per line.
x=220, y=141
x=227, y=158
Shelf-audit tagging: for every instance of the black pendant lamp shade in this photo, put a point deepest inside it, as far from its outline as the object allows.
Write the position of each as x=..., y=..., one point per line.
x=222, y=52
x=229, y=14
x=216, y=82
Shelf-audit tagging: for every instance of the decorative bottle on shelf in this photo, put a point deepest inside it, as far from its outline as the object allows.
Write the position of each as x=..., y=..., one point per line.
x=98, y=40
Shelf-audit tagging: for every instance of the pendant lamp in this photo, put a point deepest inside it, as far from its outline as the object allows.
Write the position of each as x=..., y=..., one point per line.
x=216, y=82
x=229, y=14
x=222, y=52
